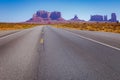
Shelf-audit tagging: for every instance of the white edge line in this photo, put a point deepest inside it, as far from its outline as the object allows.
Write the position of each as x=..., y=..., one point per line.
x=96, y=41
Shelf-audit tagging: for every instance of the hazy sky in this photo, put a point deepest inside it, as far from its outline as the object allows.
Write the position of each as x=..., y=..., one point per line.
x=22, y=10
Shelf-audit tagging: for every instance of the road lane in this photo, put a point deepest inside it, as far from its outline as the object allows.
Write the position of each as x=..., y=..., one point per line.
x=69, y=57
x=8, y=32
x=98, y=42
x=11, y=36
x=112, y=39
x=19, y=57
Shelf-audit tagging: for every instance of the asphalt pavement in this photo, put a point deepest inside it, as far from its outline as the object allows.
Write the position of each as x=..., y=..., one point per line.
x=47, y=53
x=19, y=55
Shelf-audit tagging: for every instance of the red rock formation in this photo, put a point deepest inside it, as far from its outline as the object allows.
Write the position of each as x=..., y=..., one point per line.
x=41, y=16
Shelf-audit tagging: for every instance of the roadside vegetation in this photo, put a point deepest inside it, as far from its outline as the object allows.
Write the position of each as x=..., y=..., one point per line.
x=16, y=26
x=96, y=26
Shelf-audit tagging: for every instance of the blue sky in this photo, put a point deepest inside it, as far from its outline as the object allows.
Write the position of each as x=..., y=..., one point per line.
x=22, y=10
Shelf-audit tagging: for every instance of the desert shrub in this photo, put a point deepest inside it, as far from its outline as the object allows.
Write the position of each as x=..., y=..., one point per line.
x=96, y=26
x=14, y=26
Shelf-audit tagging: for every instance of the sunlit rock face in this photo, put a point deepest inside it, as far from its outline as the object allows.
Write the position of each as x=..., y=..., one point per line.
x=42, y=15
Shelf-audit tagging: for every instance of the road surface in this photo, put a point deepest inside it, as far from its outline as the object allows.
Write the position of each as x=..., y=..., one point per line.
x=47, y=53
x=8, y=32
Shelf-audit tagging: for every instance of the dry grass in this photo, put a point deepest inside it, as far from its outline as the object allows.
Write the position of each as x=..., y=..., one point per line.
x=16, y=26
x=106, y=27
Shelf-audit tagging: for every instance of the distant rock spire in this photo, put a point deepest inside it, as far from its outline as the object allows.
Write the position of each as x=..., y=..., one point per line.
x=75, y=18
x=113, y=18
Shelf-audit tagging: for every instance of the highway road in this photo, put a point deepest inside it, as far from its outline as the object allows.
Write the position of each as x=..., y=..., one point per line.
x=47, y=53
x=8, y=32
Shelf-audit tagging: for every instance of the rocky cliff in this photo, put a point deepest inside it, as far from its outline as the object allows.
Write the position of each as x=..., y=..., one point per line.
x=41, y=16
